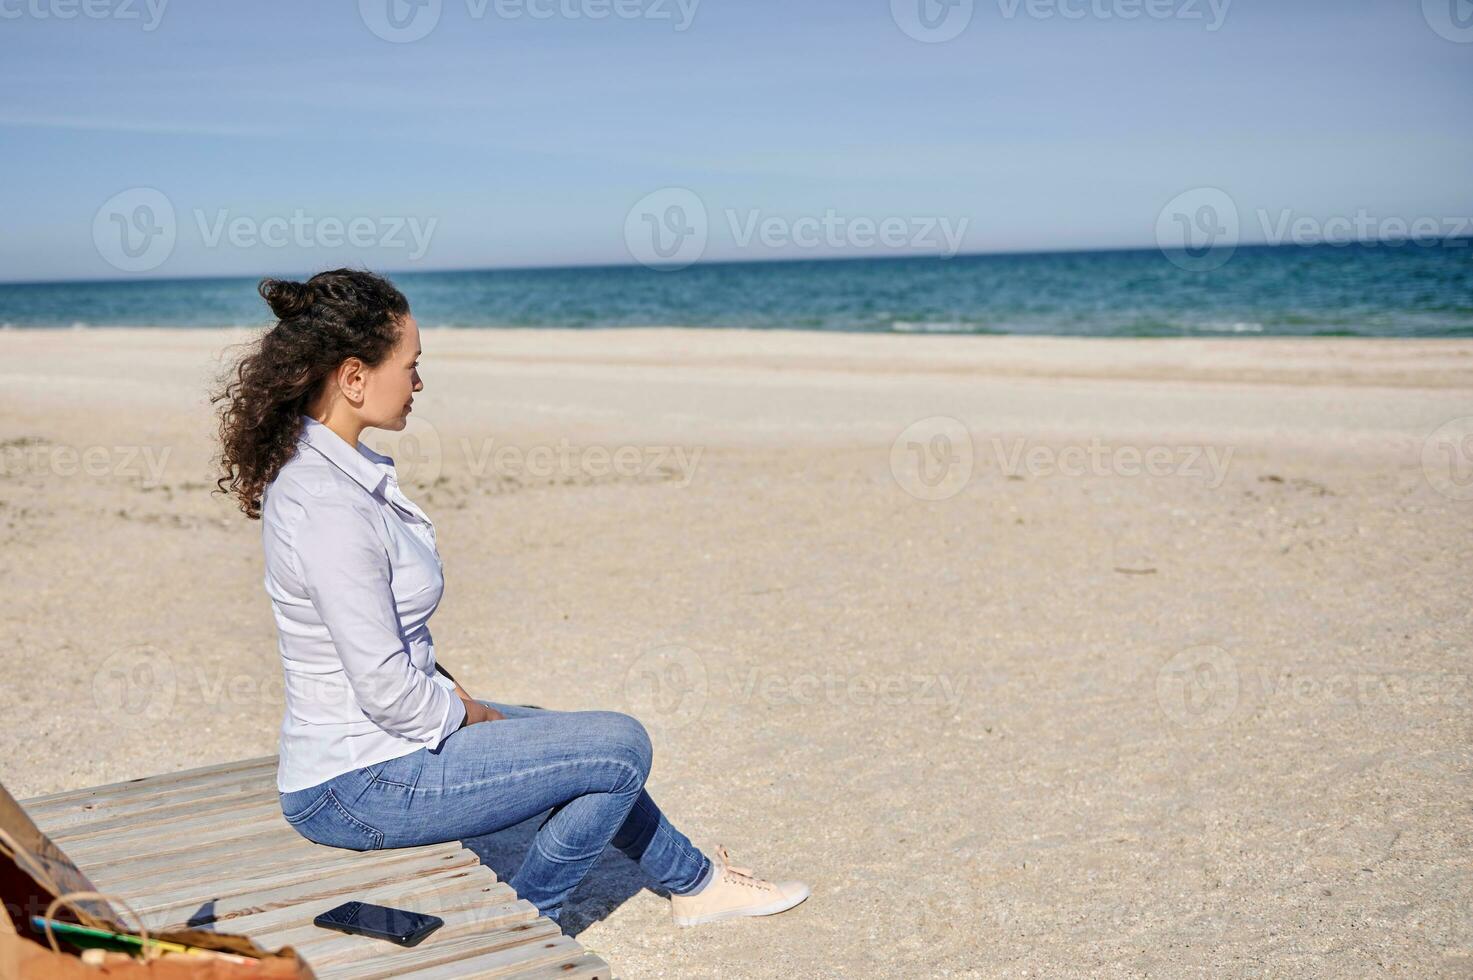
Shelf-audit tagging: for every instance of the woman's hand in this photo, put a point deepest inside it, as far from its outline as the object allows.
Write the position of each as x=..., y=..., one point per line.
x=475, y=712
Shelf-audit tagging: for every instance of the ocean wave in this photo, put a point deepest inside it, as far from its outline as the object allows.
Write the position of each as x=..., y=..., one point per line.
x=945, y=326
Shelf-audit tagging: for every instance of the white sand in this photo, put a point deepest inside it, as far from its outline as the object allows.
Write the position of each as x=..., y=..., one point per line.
x=987, y=747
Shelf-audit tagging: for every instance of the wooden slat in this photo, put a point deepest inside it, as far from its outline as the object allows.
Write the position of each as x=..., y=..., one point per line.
x=467, y=920
x=208, y=848
x=283, y=845
x=186, y=830
x=498, y=963
x=209, y=879
x=225, y=770
x=425, y=894
x=59, y=816
x=165, y=811
x=368, y=960
x=583, y=966
x=287, y=887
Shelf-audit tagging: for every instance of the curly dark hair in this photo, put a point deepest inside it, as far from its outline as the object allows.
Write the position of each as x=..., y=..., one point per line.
x=321, y=322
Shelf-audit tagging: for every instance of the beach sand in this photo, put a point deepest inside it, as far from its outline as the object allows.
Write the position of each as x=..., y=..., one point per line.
x=1032, y=656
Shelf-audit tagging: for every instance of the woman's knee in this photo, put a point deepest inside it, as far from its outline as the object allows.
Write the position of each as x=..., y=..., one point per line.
x=627, y=738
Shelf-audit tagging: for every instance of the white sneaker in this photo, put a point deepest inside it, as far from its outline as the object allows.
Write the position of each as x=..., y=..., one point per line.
x=733, y=892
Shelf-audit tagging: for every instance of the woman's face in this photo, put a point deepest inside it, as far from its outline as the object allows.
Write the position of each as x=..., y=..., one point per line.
x=391, y=385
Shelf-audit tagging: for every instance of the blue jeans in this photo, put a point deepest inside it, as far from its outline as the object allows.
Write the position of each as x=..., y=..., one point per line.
x=587, y=767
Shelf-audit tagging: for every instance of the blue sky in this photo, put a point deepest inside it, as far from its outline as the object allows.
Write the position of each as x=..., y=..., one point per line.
x=521, y=141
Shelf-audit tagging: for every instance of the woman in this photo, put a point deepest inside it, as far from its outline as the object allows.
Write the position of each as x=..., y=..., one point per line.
x=381, y=747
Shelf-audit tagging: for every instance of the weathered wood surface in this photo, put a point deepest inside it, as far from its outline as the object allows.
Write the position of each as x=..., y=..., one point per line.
x=208, y=848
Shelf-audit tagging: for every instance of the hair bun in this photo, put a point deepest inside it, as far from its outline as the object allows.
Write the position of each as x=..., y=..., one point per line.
x=287, y=299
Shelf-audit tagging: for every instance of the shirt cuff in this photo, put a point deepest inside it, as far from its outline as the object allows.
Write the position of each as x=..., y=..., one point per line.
x=453, y=718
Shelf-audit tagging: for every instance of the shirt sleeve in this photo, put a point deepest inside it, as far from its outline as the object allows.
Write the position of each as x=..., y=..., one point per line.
x=346, y=573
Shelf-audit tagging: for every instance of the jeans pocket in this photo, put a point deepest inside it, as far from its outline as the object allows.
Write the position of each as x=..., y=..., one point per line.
x=403, y=771
x=327, y=822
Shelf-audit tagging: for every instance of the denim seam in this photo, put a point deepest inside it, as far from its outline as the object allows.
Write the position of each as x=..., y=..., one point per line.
x=701, y=858
x=374, y=835
x=375, y=778
x=307, y=812
x=480, y=784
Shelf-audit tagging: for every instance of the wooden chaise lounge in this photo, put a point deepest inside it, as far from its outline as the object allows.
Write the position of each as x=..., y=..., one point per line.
x=208, y=849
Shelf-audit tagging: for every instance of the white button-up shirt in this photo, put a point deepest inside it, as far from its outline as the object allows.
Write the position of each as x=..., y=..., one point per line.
x=353, y=575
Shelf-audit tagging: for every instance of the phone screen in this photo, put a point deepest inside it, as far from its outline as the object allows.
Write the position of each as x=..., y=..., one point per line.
x=379, y=921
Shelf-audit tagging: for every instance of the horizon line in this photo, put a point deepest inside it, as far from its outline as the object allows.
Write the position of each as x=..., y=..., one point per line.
x=777, y=260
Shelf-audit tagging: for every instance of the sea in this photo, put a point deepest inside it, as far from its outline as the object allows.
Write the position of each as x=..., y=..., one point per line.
x=1380, y=289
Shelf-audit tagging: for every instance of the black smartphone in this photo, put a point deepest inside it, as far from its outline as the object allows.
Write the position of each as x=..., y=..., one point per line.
x=380, y=922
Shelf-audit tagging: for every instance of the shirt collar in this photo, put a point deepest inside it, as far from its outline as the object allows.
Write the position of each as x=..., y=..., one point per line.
x=364, y=465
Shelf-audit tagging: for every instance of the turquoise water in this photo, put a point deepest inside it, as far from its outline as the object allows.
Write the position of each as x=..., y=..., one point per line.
x=1375, y=290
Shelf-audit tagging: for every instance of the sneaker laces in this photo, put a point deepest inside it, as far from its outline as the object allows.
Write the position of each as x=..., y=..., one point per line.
x=740, y=876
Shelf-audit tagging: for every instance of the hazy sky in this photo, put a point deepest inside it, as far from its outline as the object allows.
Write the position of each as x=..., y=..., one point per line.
x=290, y=136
